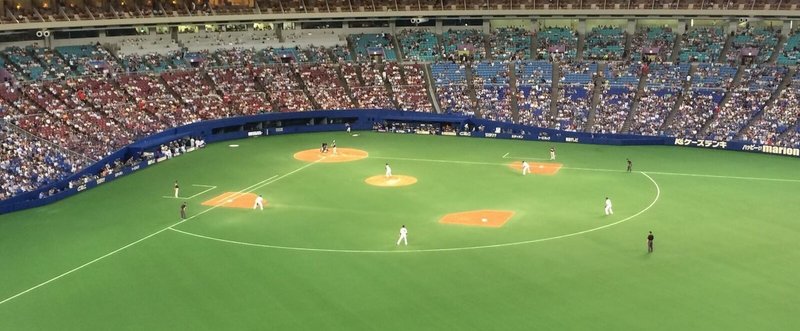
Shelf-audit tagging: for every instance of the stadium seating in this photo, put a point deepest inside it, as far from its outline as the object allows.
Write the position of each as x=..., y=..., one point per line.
x=791, y=50
x=464, y=43
x=491, y=83
x=284, y=89
x=762, y=39
x=88, y=59
x=83, y=100
x=622, y=73
x=27, y=163
x=617, y=97
x=664, y=87
x=713, y=76
x=325, y=87
x=574, y=103
x=419, y=45
x=409, y=90
x=652, y=38
x=605, y=43
x=510, y=44
x=239, y=90
x=25, y=67
x=368, y=45
x=702, y=45
x=698, y=107
x=534, y=81
x=556, y=37
x=746, y=100
x=450, y=81
x=372, y=93
x=196, y=93
x=778, y=119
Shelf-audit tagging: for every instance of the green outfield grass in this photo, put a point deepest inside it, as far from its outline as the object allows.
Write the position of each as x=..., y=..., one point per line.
x=322, y=255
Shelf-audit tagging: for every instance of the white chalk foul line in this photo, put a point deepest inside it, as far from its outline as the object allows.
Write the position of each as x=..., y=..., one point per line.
x=508, y=156
x=210, y=187
x=204, y=191
x=241, y=192
x=594, y=169
x=330, y=250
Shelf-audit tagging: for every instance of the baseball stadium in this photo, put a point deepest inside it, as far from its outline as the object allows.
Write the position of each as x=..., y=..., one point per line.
x=399, y=165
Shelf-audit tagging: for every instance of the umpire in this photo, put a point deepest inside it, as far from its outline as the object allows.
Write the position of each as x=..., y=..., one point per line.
x=183, y=211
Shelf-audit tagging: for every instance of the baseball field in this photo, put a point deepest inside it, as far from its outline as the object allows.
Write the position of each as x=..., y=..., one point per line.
x=488, y=248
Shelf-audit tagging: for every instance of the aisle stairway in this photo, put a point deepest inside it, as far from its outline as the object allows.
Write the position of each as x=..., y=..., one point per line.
x=685, y=88
x=728, y=94
x=635, y=103
x=787, y=79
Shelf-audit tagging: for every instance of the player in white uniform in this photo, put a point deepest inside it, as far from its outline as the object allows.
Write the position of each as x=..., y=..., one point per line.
x=259, y=202
x=608, y=207
x=334, y=147
x=177, y=188
x=552, y=153
x=403, y=234
x=526, y=168
x=388, y=171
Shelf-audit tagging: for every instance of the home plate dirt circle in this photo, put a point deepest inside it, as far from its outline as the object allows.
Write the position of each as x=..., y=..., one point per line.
x=393, y=181
x=342, y=155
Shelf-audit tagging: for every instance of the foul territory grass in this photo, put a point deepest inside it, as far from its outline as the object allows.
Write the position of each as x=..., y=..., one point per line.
x=322, y=255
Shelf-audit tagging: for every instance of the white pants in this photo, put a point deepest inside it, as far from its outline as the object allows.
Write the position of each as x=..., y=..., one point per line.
x=526, y=170
x=609, y=211
x=552, y=156
x=258, y=205
x=176, y=193
x=403, y=239
x=388, y=173
x=334, y=150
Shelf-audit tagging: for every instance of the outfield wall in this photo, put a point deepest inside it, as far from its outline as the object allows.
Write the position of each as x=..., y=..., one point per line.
x=336, y=120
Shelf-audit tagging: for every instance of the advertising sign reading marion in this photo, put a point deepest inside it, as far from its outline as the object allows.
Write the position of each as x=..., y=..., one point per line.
x=773, y=149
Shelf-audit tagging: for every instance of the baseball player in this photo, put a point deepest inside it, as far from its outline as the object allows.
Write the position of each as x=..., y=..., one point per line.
x=388, y=171
x=552, y=153
x=609, y=211
x=650, y=239
x=177, y=188
x=259, y=202
x=526, y=168
x=403, y=234
x=630, y=165
x=333, y=144
x=183, y=211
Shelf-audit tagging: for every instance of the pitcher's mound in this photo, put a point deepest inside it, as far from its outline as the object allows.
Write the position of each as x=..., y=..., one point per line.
x=487, y=218
x=342, y=155
x=395, y=180
x=537, y=168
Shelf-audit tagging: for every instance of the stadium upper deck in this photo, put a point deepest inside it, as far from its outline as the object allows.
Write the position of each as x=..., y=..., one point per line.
x=81, y=100
x=54, y=13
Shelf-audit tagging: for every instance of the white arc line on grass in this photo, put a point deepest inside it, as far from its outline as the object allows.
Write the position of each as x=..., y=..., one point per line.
x=242, y=192
x=329, y=250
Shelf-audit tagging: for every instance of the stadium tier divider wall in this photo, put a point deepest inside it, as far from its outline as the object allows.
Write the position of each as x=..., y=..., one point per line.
x=336, y=120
